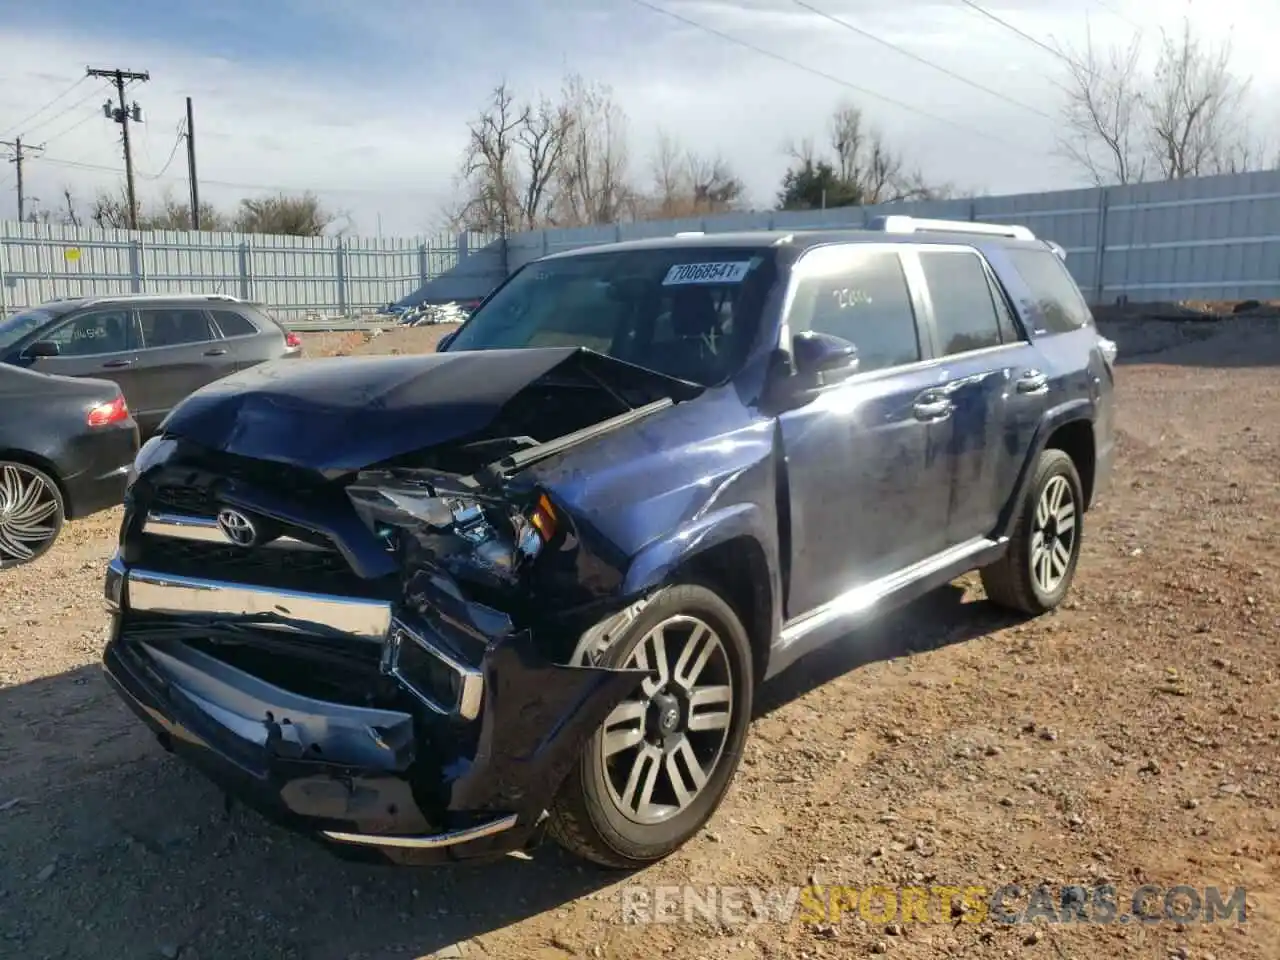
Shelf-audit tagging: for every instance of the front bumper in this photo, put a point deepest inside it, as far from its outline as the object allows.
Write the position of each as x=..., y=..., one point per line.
x=418, y=781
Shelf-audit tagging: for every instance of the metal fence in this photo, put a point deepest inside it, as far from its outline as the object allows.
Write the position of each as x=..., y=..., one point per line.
x=1210, y=238
x=296, y=276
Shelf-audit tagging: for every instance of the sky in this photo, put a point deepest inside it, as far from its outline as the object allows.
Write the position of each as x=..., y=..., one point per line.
x=366, y=102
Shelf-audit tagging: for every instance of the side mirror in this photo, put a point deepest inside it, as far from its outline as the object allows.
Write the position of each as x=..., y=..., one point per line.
x=42, y=348
x=822, y=359
x=443, y=343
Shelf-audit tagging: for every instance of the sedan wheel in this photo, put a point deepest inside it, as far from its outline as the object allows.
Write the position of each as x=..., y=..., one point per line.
x=31, y=513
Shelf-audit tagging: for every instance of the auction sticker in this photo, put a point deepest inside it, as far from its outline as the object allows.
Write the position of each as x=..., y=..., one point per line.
x=728, y=272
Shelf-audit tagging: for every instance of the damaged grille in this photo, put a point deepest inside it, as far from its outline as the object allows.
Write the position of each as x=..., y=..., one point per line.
x=324, y=571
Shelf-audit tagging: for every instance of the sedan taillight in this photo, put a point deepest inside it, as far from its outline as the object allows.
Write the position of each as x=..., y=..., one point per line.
x=105, y=414
x=292, y=340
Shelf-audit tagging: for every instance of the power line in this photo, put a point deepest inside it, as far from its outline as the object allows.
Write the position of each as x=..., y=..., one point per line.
x=826, y=76
x=92, y=95
x=75, y=126
x=1022, y=33
x=1116, y=13
x=31, y=116
x=234, y=185
x=919, y=59
x=172, y=153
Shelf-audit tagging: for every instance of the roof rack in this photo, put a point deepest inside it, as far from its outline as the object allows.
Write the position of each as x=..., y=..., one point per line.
x=900, y=223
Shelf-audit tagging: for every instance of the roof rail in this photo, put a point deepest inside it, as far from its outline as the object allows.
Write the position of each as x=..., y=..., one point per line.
x=900, y=223
x=225, y=297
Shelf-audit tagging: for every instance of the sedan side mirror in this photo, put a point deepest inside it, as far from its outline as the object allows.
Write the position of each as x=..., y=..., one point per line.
x=443, y=343
x=42, y=348
x=821, y=359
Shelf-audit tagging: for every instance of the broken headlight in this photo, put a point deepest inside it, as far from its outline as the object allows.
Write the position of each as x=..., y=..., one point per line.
x=494, y=536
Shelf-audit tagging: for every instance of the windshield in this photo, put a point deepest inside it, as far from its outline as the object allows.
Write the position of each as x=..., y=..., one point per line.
x=13, y=329
x=688, y=312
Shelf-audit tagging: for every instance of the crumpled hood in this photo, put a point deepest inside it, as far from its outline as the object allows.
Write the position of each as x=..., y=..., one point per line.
x=341, y=414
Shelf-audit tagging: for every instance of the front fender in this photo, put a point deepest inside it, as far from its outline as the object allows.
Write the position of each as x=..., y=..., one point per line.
x=1078, y=409
x=655, y=564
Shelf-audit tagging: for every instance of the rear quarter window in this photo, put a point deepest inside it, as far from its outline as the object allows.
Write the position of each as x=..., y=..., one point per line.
x=233, y=324
x=1057, y=305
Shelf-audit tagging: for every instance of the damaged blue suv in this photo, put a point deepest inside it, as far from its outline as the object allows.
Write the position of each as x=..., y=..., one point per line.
x=432, y=608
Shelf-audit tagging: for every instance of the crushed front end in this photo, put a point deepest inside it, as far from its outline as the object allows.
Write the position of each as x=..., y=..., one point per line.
x=358, y=657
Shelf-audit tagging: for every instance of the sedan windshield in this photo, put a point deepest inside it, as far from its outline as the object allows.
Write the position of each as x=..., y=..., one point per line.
x=13, y=329
x=687, y=312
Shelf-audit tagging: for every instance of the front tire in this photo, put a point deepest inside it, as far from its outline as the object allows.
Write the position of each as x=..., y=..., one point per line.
x=657, y=769
x=1033, y=577
x=31, y=513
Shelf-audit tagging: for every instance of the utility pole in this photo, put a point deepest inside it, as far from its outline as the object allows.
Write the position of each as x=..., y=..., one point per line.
x=122, y=115
x=191, y=168
x=20, y=151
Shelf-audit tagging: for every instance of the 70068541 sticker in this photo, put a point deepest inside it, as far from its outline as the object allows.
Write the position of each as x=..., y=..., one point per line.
x=727, y=272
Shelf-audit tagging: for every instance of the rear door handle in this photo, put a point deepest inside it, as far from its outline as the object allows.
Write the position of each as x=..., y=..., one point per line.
x=215, y=352
x=1032, y=382
x=932, y=407
x=117, y=364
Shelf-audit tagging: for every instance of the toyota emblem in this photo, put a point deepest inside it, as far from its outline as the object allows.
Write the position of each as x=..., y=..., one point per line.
x=237, y=528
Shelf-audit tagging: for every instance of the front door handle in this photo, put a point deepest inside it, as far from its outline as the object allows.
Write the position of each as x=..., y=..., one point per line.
x=215, y=352
x=1033, y=382
x=932, y=407
x=117, y=364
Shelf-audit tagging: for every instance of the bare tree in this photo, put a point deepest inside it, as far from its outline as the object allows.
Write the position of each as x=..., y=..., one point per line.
x=300, y=215
x=489, y=168
x=70, y=217
x=1196, y=109
x=1187, y=118
x=512, y=164
x=1104, y=113
x=593, y=177
x=687, y=184
x=860, y=168
x=542, y=140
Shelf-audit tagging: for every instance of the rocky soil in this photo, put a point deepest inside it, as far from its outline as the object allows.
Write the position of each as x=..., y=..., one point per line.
x=1132, y=737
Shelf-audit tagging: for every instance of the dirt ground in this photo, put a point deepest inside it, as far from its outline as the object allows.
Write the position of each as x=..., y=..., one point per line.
x=1133, y=737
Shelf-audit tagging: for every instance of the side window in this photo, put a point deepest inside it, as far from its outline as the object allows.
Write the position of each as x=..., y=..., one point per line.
x=1058, y=302
x=963, y=308
x=172, y=327
x=233, y=324
x=864, y=299
x=103, y=331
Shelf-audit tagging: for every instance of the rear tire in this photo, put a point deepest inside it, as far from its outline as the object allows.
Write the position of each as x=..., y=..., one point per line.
x=1035, y=574
x=656, y=771
x=32, y=512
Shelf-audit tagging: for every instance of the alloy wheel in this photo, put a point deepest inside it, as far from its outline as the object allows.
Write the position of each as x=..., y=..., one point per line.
x=661, y=747
x=29, y=513
x=1053, y=534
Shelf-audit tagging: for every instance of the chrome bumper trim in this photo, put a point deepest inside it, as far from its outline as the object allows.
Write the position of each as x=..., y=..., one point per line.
x=432, y=842
x=181, y=526
x=149, y=591
x=469, y=693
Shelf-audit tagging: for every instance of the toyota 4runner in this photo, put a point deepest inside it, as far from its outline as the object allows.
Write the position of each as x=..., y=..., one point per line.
x=429, y=608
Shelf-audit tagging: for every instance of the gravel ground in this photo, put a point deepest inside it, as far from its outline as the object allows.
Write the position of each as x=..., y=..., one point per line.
x=1132, y=737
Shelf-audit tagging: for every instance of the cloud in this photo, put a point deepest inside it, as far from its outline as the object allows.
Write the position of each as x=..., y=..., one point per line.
x=367, y=102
